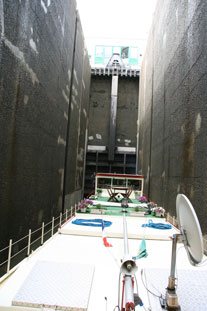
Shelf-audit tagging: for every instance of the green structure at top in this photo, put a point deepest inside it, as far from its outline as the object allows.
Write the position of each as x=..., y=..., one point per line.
x=128, y=54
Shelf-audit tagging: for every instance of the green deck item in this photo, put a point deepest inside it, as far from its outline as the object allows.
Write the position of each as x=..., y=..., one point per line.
x=142, y=253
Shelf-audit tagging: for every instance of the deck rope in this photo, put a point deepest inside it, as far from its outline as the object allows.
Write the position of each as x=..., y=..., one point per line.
x=158, y=225
x=91, y=222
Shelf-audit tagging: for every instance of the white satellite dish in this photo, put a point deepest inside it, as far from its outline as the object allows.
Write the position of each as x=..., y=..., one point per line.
x=190, y=229
x=191, y=236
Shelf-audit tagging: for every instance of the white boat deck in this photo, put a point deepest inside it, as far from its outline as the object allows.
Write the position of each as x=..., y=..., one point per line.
x=86, y=273
x=134, y=226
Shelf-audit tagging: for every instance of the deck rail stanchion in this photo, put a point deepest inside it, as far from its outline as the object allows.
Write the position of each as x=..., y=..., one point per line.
x=42, y=235
x=9, y=256
x=128, y=267
x=75, y=207
x=29, y=242
x=71, y=211
x=60, y=219
x=52, y=231
x=66, y=214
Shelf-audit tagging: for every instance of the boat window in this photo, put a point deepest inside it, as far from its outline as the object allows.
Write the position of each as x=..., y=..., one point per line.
x=137, y=184
x=119, y=182
x=103, y=182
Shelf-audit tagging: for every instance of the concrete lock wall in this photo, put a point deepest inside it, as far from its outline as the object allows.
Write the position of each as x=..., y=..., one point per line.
x=41, y=121
x=172, y=106
x=78, y=120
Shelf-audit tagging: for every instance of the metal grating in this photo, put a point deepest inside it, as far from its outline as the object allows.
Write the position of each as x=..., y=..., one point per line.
x=191, y=289
x=63, y=286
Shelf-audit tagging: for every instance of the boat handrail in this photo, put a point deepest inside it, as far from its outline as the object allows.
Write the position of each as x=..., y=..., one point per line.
x=55, y=223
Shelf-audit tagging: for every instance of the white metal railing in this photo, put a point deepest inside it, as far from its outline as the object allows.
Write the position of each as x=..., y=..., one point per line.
x=53, y=225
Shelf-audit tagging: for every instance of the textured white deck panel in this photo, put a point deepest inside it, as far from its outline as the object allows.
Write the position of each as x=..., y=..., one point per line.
x=56, y=285
x=191, y=290
x=134, y=228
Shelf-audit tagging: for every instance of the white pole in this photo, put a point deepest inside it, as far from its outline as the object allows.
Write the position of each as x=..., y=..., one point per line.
x=60, y=219
x=9, y=256
x=42, y=237
x=29, y=241
x=52, y=227
x=66, y=214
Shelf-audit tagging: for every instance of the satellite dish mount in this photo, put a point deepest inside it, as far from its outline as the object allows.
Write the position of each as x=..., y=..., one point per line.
x=191, y=236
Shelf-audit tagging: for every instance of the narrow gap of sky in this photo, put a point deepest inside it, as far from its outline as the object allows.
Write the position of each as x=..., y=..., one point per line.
x=116, y=19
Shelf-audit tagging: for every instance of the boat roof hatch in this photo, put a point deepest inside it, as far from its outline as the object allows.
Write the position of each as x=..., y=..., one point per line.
x=59, y=284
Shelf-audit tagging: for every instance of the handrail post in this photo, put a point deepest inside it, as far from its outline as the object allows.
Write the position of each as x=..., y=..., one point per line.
x=60, y=219
x=9, y=256
x=66, y=214
x=71, y=211
x=52, y=226
x=29, y=241
x=42, y=236
x=75, y=208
